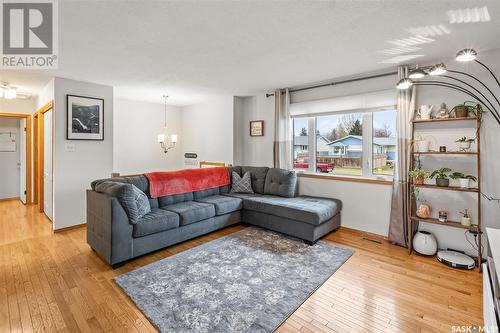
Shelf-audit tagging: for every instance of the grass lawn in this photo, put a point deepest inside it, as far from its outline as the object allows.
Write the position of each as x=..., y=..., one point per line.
x=386, y=170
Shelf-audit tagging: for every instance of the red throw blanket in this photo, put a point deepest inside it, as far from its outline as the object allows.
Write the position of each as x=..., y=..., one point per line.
x=188, y=180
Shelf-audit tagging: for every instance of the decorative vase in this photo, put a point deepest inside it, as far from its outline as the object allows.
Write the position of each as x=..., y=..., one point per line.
x=423, y=146
x=418, y=180
x=464, y=146
x=461, y=111
x=423, y=211
x=425, y=243
x=464, y=182
x=444, y=182
x=466, y=221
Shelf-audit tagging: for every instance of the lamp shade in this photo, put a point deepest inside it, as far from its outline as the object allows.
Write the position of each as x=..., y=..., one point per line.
x=438, y=69
x=466, y=55
x=404, y=83
x=161, y=138
x=173, y=138
x=417, y=73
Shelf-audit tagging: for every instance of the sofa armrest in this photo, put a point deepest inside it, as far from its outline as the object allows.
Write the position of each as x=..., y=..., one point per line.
x=109, y=232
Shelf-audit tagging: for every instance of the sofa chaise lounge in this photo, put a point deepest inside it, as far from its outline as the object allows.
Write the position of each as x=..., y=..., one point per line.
x=180, y=217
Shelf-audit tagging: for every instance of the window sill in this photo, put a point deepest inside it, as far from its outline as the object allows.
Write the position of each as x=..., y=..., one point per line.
x=346, y=178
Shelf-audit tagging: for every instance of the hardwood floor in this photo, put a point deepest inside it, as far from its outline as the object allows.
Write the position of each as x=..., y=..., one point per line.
x=54, y=282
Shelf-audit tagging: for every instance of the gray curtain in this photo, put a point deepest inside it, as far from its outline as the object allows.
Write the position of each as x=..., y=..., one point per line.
x=398, y=227
x=282, y=147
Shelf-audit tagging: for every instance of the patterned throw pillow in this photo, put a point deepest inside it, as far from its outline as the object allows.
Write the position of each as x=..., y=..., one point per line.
x=241, y=185
x=133, y=200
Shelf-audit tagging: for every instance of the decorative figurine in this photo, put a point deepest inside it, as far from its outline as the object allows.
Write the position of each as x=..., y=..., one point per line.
x=423, y=211
x=443, y=112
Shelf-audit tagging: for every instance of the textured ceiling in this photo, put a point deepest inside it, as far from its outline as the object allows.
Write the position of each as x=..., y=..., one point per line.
x=194, y=49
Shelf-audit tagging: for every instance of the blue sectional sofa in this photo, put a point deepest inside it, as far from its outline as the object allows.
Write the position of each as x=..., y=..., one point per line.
x=116, y=237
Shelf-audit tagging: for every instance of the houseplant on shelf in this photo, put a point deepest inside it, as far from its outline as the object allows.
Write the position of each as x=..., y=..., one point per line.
x=418, y=175
x=464, y=143
x=441, y=176
x=463, y=179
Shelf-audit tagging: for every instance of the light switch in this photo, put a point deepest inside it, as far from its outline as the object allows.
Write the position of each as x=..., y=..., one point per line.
x=69, y=147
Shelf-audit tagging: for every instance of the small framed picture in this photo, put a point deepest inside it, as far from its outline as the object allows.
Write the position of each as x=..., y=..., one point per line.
x=257, y=128
x=85, y=118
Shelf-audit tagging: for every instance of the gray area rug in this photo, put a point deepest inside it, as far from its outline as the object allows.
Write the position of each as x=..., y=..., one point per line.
x=249, y=281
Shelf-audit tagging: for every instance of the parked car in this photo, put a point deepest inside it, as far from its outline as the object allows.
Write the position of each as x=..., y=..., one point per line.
x=320, y=167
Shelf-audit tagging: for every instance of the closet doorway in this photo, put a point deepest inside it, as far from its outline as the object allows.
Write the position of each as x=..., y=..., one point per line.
x=43, y=152
x=23, y=143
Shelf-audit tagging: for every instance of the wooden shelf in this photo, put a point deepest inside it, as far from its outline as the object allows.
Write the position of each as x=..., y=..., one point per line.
x=446, y=153
x=442, y=119
x=447, y=223
x=447, y=188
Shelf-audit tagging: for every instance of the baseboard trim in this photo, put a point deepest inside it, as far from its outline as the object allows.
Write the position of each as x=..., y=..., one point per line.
x=10, y=199
x=70, y=228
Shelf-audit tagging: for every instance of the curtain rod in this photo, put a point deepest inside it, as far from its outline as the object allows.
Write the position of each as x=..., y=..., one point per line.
x=339, y=82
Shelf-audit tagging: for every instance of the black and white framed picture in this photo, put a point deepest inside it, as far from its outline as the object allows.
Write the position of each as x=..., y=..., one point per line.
x=85, y=116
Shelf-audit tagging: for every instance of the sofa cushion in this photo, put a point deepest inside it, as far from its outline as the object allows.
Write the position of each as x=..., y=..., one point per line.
x=173, y=199
x=226, y=188
x=134, y=201
x=140, y=181
x=206, y=193
x=155, y=221
x=241, y=184
x=306, y=209
x=281, y=182
x=223, y=204
x=258, y=177
x=191, y=211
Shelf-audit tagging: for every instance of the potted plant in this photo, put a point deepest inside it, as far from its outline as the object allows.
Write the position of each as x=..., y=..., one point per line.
x=466, y=219
x=464, y=143
x=441, y=176
x=418, y=175
x=463, y=179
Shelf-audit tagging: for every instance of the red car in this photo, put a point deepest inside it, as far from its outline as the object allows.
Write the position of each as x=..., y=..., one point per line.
x=320, y=167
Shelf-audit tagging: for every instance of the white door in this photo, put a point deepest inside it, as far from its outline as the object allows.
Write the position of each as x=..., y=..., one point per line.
x=47, y=164
x=22, y=160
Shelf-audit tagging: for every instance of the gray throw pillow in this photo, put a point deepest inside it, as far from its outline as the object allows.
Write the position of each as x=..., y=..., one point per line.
x=133, y=200
x=241, y=184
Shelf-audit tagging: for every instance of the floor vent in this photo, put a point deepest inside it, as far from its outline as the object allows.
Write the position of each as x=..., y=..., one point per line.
x=372, y=240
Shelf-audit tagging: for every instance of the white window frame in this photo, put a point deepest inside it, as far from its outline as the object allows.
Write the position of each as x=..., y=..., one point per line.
x=367, y=147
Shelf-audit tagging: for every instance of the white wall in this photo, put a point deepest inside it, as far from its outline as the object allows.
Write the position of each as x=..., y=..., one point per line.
x=207, y=129
x=46, y=94
x=90, y=160
x=255, y=150
x=136, y=126
x=23, y=106
x=9, y=169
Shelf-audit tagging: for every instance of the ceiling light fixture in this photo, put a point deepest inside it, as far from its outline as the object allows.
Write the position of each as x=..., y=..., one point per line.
x=7, y=91
x=438, y=69
x=10, y=93
x=166, y=140
x=466, y=55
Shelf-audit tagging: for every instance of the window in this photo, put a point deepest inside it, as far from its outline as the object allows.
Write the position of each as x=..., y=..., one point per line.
x=384, y=142
x=339, y=144
x=356, y=143
x=300, y=144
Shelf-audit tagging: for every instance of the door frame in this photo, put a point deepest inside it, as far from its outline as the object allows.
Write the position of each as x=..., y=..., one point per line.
x=38, y=117
x=29, y=199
